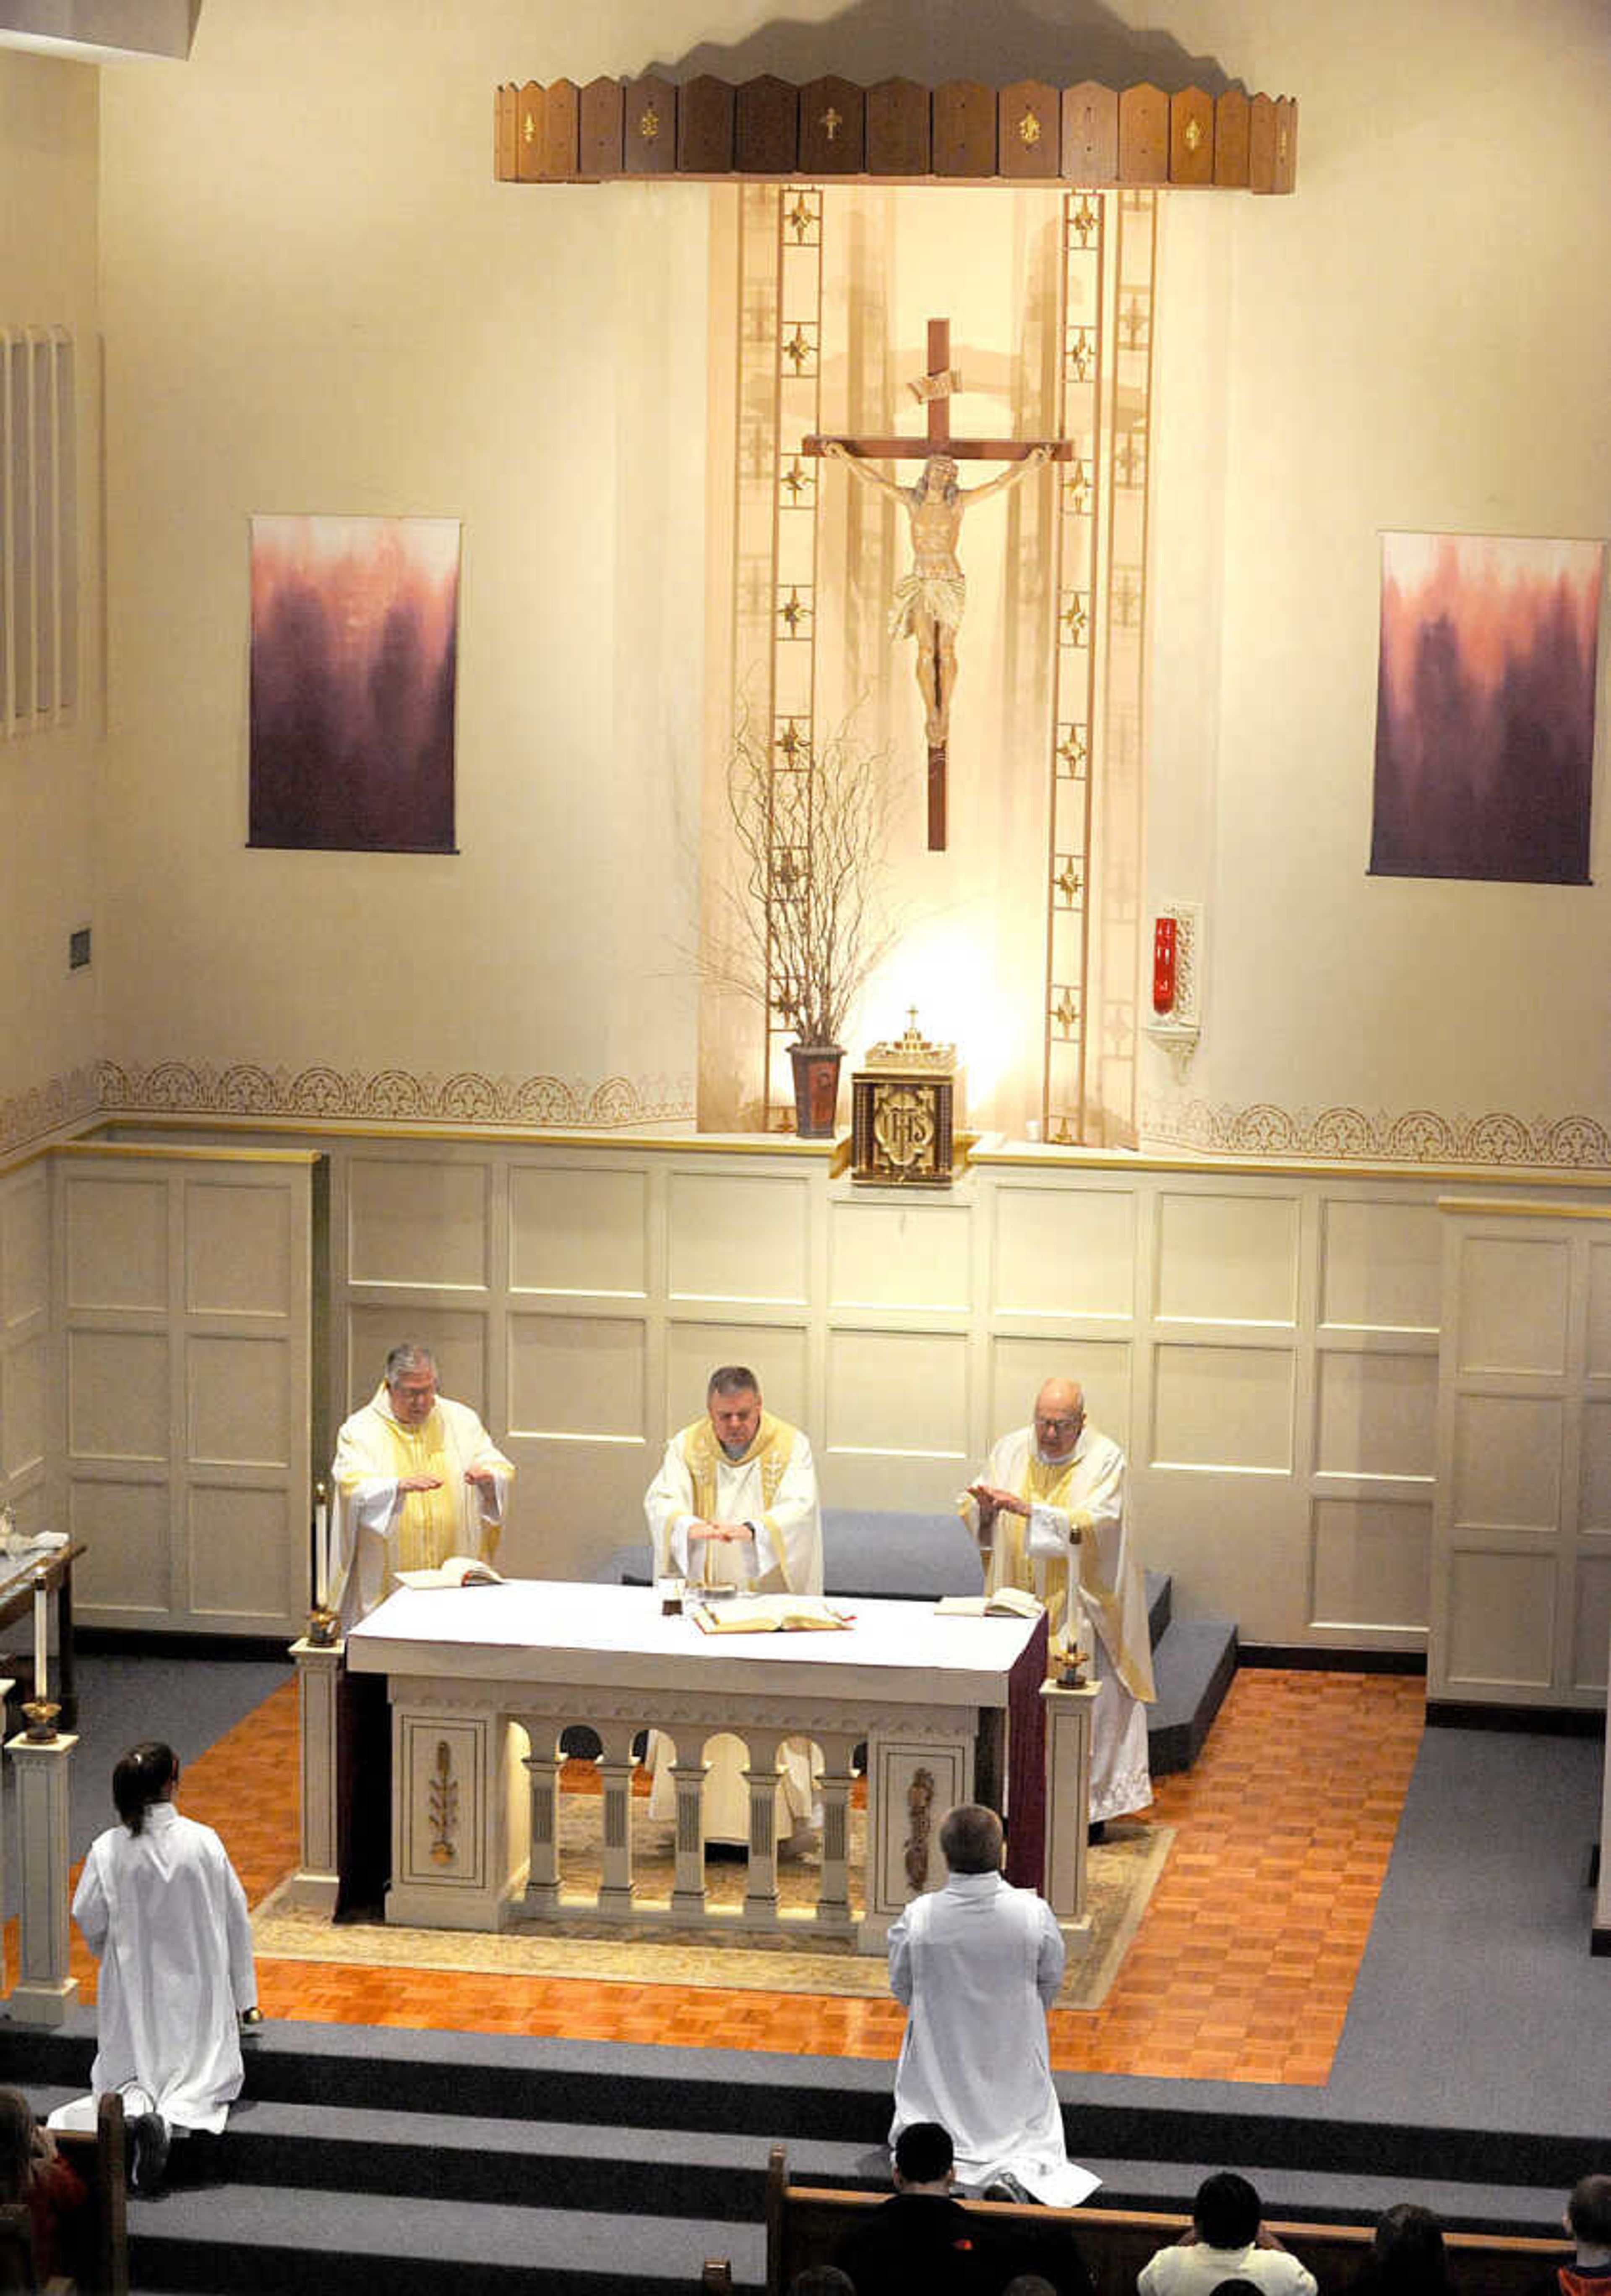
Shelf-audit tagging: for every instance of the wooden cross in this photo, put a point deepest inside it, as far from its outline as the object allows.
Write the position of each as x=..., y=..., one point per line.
x=935, y=390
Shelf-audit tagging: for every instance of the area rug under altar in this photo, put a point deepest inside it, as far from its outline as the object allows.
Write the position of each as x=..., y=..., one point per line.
x=791, y=1959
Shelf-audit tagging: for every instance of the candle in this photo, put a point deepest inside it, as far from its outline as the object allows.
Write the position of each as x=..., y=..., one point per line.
x=41, y=1632
x=320, y=1550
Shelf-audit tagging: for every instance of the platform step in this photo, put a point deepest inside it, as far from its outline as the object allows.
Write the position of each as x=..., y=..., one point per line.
x=1193, y=1666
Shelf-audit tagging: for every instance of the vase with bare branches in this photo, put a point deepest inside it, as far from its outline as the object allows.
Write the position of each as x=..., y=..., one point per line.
x=804, y=920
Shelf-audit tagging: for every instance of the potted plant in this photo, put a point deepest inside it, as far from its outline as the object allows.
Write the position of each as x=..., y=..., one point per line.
x=804, y=925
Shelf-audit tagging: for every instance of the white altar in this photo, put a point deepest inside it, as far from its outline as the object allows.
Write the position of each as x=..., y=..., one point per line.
x=483, y=1680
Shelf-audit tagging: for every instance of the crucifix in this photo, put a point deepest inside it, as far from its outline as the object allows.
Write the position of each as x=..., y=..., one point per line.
x=929, y=600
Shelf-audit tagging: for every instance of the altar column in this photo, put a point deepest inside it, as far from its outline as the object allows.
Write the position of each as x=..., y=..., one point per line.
x=1068, y=1713
x=44, y=1990
x=316, y=1880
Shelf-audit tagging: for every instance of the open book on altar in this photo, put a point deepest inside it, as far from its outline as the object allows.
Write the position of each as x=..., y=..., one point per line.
x=1005, y=1603
x=455, y=1571
x=766, y=1614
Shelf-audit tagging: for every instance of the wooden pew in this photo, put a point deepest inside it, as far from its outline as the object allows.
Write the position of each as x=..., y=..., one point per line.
x=804, y=2222
x=96, y=2248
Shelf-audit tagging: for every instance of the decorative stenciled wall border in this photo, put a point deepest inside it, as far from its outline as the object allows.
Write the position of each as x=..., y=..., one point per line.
x=1417, y=1135
x=26, y=1117
x=391, y=1095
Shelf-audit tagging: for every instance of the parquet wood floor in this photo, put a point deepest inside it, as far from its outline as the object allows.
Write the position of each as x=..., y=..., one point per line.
x=1241, y=1971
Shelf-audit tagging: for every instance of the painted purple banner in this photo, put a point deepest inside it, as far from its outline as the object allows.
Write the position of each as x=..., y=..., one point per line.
x=354, y=624
x=1484, y=738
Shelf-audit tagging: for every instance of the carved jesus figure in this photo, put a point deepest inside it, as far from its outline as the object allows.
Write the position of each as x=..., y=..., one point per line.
x=929, y=600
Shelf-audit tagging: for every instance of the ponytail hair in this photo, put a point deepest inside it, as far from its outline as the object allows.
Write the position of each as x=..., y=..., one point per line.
x=143, y=1776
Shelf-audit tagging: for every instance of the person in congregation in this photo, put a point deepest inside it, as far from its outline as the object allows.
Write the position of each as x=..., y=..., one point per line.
x=1407, y=2256
x=735, y=1505
x=977, y=1964
x=1588, y=2220
x=162, y=1909
x=1048, y=1516
x=33, y=2174
x=922, y=2241
x=416, y=1479
x=1226, y=2241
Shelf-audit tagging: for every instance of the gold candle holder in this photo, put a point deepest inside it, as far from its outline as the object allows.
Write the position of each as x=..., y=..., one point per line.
x=323, y=1627
x=41, y=1714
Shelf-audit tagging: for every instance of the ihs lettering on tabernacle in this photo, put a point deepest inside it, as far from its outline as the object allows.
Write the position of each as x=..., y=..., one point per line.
x=929, y=600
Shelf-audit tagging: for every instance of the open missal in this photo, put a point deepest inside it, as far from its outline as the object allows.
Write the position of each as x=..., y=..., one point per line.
x=767, y=1614
x=1005, y=1603
x=456, y=1570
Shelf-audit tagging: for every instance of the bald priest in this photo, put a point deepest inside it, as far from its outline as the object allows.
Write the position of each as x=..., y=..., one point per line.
x=1049, y=1516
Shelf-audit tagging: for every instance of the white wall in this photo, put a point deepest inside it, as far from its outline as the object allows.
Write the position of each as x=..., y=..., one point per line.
x=318, y=300
x=315, y=296
x=1418, y=339
x=49, y=1022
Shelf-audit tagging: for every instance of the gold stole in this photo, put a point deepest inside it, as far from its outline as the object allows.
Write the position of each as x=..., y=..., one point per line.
x=428, y=1522
x=702, y=1455
x=1045, y=1576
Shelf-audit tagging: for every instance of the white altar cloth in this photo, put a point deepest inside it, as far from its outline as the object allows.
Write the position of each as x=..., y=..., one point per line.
x=547, y=1630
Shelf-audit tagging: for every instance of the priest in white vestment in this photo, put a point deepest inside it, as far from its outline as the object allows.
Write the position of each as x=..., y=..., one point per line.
x=734, y=1504
x=1048, y=1514
x=416, y=1479
x=978, y=1965
x=162, y=1909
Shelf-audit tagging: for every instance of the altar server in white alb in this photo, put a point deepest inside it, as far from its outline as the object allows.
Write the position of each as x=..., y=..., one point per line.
x=417, y=1479
x=162, y=1909
x=978, y=1965
x=1048, y=1514
x=734, y=1504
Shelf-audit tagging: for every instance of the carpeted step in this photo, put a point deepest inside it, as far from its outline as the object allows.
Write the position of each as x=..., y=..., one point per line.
x=1194, y=1663
x=232, y=2240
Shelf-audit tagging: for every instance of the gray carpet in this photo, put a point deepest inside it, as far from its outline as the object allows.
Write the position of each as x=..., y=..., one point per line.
x=189, y=1701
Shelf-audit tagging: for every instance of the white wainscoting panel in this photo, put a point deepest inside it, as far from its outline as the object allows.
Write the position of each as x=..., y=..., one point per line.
x=1223, y=1407
x=1513, y=1304
x=1063, y=1254
x=418, y=1224
x=1502, y=1619
x=905, y=1254
x=739, y=1237
x=1506, y=1463
x=576, y=1230
x=1592, y=1623
x=897, y=1409
x=1227, y=1258
x=578, y=1376
x=1378, y=1413
x=238, y=1257
x=184, y=1357
x=1384, y=1266
x=126, y=1529
x=24, y=1247
x=118, y=1404
x=1520, y=1544
x=117, y=1241
x=239, y=1409
x=1372, y=1565
x=24, y=1427
x=1594, y=1478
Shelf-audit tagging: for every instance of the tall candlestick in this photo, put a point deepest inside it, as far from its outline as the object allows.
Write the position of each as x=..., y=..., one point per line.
x=41, y=1632
x=320, y=1550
